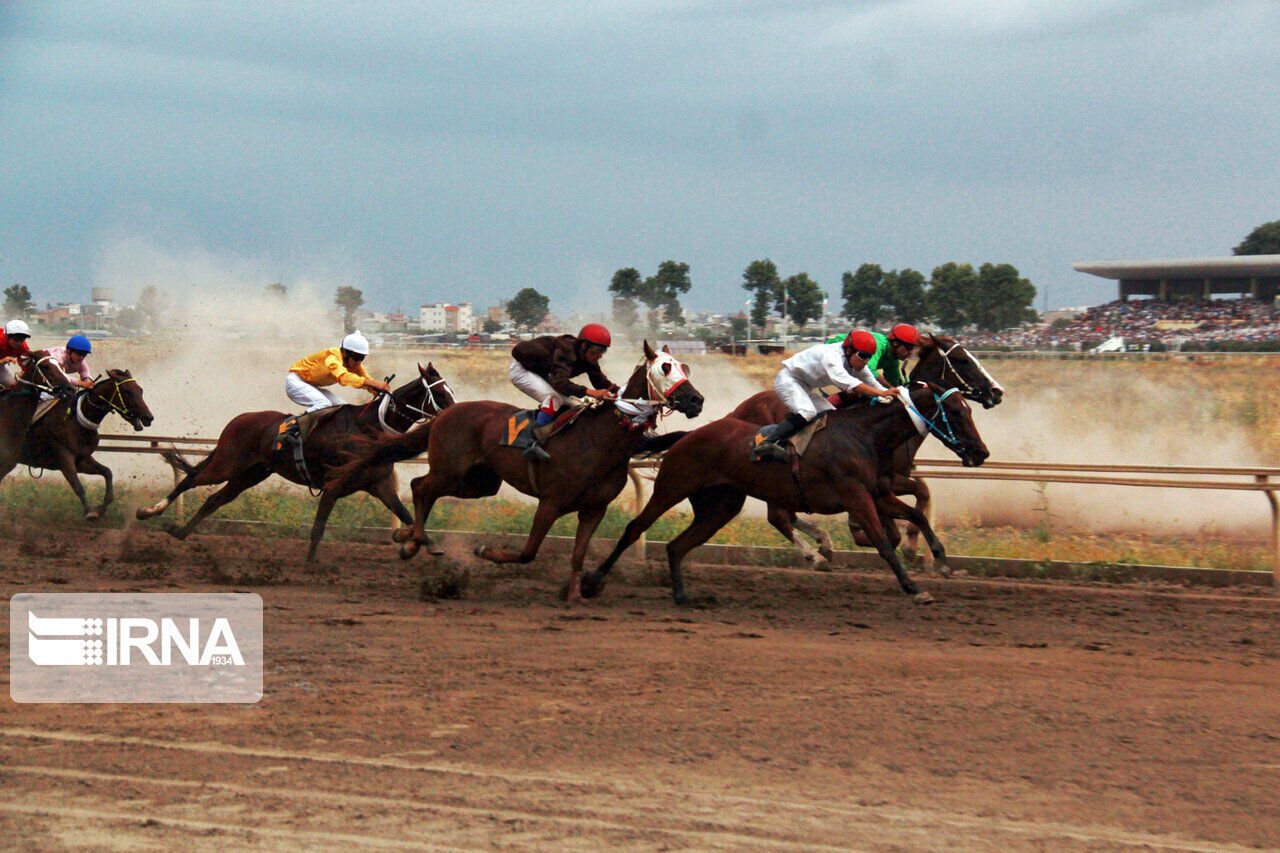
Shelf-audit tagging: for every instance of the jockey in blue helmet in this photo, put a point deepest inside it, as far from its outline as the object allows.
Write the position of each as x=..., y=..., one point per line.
x=71, y=359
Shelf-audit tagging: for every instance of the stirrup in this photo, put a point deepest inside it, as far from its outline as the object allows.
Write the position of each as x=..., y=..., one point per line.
x=535, y=453
x=769, y=451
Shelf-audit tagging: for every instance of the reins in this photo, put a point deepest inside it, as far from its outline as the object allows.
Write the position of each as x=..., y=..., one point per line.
x=948, y=437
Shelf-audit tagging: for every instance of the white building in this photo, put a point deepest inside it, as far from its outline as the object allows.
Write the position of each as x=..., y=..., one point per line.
x=443, y=317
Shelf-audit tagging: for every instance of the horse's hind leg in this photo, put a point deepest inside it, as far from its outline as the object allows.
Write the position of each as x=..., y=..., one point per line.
x=543, y=518
x=667, y=492
x=218, y=467
x=817, y=533
x=426, y=491
x=712, y=509
x=89, y=465
x=782, y=520
x=920, y=491
x=385, y=491
x=864, y=513
x=896, y=507
x=588, y=521
x=237, y=484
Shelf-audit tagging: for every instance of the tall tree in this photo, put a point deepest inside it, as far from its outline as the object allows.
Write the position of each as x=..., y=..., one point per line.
x=760, y=279
x=906, y=296
x=803, y=299
x=625, y=287
x=866, y=295
x=951, y=295
x=18, y=301
x=528, y=308
x=348, y=300
x=1004, y=298
x=663, y=290
x=153, y=304
x=1263, y=240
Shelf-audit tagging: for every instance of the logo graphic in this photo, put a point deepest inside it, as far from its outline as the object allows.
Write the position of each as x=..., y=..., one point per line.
x=80, y=647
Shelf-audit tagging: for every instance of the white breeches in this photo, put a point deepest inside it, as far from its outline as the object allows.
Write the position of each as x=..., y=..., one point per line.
x=798, y=397
x=306, y=394
x=535, y=386
x=8, y=375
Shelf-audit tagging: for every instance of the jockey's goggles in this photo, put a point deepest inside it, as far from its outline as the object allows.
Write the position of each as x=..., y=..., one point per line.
x=865, y=356
x=354, y=356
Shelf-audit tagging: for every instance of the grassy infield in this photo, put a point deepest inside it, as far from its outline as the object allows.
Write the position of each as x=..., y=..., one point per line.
x=1246, y=393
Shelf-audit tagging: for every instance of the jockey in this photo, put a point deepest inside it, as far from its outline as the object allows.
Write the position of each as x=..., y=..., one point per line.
x=544, y=369
x=891, y=351
x=844, y=365
x=71, y=359
x=306, y=380
x=13, y=351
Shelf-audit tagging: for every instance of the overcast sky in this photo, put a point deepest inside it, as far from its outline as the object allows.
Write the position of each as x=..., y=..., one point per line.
x=461, y=151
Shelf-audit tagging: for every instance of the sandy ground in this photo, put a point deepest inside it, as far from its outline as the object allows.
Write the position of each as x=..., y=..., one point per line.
x=789, y=711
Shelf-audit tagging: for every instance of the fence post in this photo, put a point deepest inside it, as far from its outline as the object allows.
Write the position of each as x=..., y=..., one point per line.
x=638, y=549
x=1275, y=528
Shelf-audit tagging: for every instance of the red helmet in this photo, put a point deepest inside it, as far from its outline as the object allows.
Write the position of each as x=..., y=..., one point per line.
x=861, y=342
x=906, y=334
x=594, y=333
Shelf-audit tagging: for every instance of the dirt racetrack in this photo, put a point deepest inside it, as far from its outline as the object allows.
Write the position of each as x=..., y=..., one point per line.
x=795, y=711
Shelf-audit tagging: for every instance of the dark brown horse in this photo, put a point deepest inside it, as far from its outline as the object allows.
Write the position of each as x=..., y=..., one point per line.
x=941, y=361
x=246, y=454
x=841, y=471
x=587, y=469
x=40, y=374
x=65, y=438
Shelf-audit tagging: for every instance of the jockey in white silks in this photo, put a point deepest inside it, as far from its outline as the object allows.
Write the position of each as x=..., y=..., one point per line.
x=802, y=377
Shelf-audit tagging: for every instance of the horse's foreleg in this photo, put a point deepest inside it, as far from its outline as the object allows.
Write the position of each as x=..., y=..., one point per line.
x=782, y=520
x=67, y=467
x=385, y=491
x=328, y=498
x=712, y=509
x=588, y=521
x=863, y=512
x=895, y=506
x=920, y=491
x=545, y=516
x=89, y=465
x=665, y=496
x=425, y=494
x=228, y=493
x=817, y=533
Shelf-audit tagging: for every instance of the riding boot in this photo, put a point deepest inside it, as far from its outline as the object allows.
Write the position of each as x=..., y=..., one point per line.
x=771, y=449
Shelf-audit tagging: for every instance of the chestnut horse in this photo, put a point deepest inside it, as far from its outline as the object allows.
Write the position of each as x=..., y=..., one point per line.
x=941, y=361
x=245, y=454
x=65, y=438
x=587, y=469
x=40, y=374
x=839, y=472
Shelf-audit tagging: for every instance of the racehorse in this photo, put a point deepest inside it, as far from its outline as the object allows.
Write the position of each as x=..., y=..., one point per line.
x=246, y=453
x=941, y=361
x=18, y=405
x=587, y=469
x=67, y=435
x=839, y=472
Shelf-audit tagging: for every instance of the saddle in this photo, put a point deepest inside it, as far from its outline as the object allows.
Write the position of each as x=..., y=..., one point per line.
x=521, y=430
x=293, y=433
x=798, y=442
x=44, y=408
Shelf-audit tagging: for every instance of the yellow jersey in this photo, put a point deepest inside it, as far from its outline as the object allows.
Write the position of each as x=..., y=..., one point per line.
x=326, y=368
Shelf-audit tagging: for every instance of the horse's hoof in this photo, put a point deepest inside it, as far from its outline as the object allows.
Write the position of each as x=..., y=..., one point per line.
x=478, y=551
x=943, y=569
x=92, y=515
x=435, y=549
x=400, y=534
x=408, y=549
x=820, y=564
x=922, y=598
x=826, y=552
x=591, y=585
x=173, y=529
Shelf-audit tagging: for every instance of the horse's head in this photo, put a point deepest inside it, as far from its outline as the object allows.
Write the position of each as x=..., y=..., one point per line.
x=439, y=395
x=666, y=381
x=125, y=397
x=944, y=362
x=949, y=417
x=42, y=371
x=421, y=398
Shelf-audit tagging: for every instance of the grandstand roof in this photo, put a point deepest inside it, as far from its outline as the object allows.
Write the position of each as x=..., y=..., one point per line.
x=1236, y=266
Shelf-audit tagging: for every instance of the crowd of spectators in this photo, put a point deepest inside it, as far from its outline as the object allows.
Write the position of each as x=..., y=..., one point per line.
x=1144, y=322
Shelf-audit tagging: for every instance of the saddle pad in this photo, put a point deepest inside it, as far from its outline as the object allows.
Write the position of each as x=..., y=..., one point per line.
x=800, y=441
x=43, y=409
x=519, y=429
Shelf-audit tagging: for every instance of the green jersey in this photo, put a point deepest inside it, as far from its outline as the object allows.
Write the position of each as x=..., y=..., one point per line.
x=883, y=361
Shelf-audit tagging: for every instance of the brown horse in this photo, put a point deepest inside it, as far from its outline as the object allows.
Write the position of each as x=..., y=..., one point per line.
x=840, y=472
x=587, y=469
x=245, y=454
x=40, y=374
x=941, y=361
x=67, y=435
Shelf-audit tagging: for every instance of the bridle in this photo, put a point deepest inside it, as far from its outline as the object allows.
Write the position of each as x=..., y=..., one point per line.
x=404, y=410
x=968, y=390
x=946, y=432
x=115, y=403
x=60, y=391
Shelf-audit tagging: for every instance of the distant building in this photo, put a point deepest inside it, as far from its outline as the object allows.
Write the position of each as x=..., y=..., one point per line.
x=443, y=317
x=498, y=314
x=1167, y=279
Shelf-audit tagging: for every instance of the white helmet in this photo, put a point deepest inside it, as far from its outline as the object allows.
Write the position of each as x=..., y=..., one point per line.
x=355, y=342
x=16, y=327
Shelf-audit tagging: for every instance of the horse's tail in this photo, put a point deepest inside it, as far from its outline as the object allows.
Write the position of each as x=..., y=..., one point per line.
x=659, y=443
x=370, y=451
x=177, y=460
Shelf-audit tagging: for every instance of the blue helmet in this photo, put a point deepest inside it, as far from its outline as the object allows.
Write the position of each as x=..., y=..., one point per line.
x=80, y=342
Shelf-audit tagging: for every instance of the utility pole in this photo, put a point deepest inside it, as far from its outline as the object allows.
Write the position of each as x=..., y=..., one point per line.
x=786, y=299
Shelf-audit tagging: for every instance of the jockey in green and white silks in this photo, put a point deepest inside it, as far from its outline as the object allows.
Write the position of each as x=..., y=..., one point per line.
x=892, y=350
